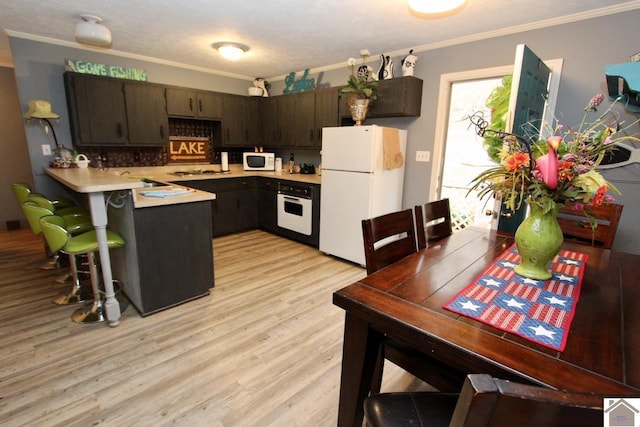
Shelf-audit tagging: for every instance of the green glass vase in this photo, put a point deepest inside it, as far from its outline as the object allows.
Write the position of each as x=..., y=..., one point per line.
x=538, y=239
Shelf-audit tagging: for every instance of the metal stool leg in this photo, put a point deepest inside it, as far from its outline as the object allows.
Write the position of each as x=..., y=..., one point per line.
x=94, y=312
x=77, y=294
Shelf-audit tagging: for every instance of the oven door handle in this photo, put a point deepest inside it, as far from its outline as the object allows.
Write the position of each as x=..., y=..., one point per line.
x=294, y=199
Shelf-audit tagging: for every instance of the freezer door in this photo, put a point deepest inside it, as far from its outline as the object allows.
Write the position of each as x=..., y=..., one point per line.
x=345, y=200
x=349, y=148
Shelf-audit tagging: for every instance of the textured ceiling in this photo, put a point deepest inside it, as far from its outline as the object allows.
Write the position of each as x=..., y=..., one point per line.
x=283, y=35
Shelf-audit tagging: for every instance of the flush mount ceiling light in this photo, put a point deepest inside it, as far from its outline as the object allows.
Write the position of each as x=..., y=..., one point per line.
x=231, y=50
x=435, y=7
x=91, y=32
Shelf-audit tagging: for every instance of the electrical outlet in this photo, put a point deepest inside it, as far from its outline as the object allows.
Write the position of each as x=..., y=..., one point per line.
x=46, y=150
x=423, y=156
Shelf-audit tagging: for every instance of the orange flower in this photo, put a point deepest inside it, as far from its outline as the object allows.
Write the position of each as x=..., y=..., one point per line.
x=565, y=171
x=516, y=161
x=599, y=196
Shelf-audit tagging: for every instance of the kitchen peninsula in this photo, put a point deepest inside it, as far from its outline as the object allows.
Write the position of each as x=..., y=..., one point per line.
x=168, y=255
x=167, y=258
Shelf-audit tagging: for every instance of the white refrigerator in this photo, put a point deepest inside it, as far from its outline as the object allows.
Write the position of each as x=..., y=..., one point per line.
x=362, y=177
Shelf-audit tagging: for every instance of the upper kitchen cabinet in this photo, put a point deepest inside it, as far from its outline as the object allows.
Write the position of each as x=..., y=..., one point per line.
x=241, y=123
x=97, y=111
x=183, y=102
x=326, y=111
x=105, y=111
x=304, y=119
x=278, y=121
x=146, y=114
x=397, y=97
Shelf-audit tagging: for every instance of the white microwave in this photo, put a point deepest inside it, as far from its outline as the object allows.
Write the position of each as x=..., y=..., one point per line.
x=259, y=161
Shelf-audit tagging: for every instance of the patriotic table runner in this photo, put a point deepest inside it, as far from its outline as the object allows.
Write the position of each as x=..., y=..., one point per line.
x=538, y=310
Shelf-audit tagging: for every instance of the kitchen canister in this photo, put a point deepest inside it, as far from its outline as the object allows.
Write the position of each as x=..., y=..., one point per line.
x=224, y=161
x=278, y=164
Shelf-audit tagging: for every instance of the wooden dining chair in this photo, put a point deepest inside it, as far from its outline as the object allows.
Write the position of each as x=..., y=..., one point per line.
x=433, y=222
x=485, y=402
x=388, y=238
x=576, y=226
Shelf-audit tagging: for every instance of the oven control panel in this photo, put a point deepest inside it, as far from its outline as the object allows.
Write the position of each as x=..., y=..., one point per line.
x=295, y=190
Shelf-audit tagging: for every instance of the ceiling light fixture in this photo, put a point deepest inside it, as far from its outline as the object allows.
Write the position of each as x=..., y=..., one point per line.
x=434, y=7
x=231, y=50
x=91, y=32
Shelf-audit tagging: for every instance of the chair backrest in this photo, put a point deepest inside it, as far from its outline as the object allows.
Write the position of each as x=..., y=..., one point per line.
x=54, y=231
x=21, y=191
x=433, y=222
x=33, y=213
x=576, y=226
x=42, y=201
x=491, y=402
x=388, y=238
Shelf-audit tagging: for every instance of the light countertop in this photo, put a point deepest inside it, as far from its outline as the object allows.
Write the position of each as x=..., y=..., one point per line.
x=90, y=180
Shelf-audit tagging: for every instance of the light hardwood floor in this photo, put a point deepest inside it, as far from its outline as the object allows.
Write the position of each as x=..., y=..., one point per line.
x=264, y=349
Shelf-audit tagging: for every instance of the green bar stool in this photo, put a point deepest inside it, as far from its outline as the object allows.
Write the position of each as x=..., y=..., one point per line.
x=22, y=191
x=56, y=208
x=74, y=225
x=53, y=227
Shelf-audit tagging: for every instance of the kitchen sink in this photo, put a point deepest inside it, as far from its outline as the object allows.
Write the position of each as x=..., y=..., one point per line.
x=151, y=183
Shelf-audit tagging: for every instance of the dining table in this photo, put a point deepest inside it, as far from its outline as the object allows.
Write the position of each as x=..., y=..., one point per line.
x=405, y=301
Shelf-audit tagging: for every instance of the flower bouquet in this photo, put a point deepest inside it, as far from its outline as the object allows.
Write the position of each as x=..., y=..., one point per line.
x=553, y=172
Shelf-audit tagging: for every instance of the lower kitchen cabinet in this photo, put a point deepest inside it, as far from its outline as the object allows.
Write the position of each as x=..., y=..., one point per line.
x=247, y=203
x=235, y=208
x=168, y=255
x=267, y=204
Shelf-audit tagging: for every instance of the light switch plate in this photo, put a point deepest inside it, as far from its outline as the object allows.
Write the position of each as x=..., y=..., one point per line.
x=46, y=150
x=423, y=156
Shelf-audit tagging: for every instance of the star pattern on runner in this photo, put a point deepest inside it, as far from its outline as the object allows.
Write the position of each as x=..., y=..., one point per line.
x=542, y=331
x=468, y=305
x=556, y=301
x=492, y=282
x=565, y=278
x=513, y=303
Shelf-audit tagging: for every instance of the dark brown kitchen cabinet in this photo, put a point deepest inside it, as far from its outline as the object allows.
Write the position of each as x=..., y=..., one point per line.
x=146, y=114
x=241, y=122
x=97, y=111
x=285, y=113
x=105, y=111
x=304, y=119
x=235, y=207
x=327, y=105
x=397, y=97
x=267, y=204
x=183, y=102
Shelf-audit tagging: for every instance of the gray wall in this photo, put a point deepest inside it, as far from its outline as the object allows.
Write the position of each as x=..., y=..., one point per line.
x=586, y=48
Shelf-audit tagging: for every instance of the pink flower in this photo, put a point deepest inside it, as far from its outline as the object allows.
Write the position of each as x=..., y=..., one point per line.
x=595, y=101
x=547, y=164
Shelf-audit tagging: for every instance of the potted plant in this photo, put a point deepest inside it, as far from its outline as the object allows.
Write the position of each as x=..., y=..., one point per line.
x=361, y=88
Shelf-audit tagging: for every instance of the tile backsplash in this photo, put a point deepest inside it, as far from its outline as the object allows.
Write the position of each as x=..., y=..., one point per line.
x=157, y=156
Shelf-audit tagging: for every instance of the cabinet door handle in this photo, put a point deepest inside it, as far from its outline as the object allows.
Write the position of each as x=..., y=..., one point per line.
x=191, y=104
x=161, y=131
x=119, y=130
x=200, y=104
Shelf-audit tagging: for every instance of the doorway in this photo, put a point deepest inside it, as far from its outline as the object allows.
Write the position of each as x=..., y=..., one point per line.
x=467, y=211
x=464, y=154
